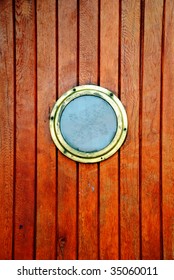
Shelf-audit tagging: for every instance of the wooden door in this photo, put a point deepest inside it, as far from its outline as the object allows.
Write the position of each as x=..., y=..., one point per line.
x=50, y=206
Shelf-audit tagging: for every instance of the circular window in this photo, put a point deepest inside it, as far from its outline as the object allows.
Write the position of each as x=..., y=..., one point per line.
x=88, y=123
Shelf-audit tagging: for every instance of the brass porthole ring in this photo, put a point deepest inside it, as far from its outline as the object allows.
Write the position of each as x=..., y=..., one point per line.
x=88, y=123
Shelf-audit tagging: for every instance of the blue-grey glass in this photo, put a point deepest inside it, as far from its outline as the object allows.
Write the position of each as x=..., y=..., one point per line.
x=88, y=123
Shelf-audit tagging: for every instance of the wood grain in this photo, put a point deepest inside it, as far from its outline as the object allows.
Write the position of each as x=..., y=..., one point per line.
x=168, y=134
x=67, y=174
x=151, y=130
x=88, y=173
x=88, y=212
x=6, y=129
x=129, y=154
x=46, y=151
x=25, y=130
x=50, y=206
x=109, y=229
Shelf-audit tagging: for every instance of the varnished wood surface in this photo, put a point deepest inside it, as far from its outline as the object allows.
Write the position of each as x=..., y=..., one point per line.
x=129, y=154
x=7, y=99
x=167, y=147
x=25, y=130
x=52, y=207
x=109, y=171
x=151, y=100
x=67, y=170
x=88, y=191
x=46, y=189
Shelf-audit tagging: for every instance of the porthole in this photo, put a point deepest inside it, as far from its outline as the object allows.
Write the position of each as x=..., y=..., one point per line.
x=88, y=123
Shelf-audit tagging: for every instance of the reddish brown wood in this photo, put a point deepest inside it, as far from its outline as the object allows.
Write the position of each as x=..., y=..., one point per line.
x=6, y=129
x=88, y=173
x=67, y=220
x=151, y=130
x=46, y=151
x=67, y=178
x=88, y=45
x=25, y=130
x=105, y=210
x=109, y=32
x=168, y=134
x=88, y=211
x=129, y=154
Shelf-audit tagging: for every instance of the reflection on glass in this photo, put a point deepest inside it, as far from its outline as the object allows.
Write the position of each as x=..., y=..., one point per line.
x=88, y=123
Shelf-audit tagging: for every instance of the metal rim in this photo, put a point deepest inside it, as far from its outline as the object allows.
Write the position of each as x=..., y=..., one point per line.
x=102, y=154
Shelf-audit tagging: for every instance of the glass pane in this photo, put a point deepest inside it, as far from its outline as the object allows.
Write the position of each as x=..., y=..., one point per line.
x=88, y=123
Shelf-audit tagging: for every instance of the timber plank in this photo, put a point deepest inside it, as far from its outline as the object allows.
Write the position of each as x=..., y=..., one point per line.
x=109, y=229
x=129, y=153
x=46, y=151
x=88, y=212
x=88, y=173
x=168, y=134
x=50, y=206
x=25, y=130
x=67, y=174
x=151, y=130
x=6, y=129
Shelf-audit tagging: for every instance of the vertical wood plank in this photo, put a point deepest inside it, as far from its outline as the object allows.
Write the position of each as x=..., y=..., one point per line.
x=6, y=129
x=151, y=130
x=129, y=153
x=88, y=173
x=88, y=212
x=46, y=151
x=25, y=130
x=168, y=134
x=67, y=174
x=109, y=35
